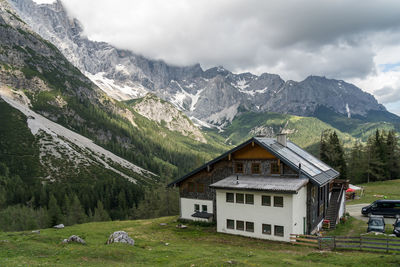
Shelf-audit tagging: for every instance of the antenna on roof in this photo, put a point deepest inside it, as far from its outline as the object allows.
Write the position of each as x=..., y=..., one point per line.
x=299, y=169
x=237, y=179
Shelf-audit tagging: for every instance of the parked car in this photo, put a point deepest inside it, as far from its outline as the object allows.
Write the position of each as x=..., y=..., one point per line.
x=376, y=223
x=396, y=227
x=384, y=207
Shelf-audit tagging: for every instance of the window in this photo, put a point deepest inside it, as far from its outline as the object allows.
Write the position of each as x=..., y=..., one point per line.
x=266, y=200
x=230, y=197
x=196, y=207
x=278, y=230
x=191, y=187
x=278, y=201
x=266, y=229
x=255, y=168
x=249, y=226
x=249, y=199
x=239, y=198
x=230, y=224
x=275, y=168
x=239, y=167
x=204, y=208
x=240, y=225
x=200, y=188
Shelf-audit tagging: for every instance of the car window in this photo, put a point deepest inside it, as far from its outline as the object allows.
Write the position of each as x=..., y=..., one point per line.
x=397, y=224
x=376, y=222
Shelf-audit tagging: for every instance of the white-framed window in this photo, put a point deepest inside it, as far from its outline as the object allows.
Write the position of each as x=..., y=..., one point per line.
x=266, y=229
x=249, y=199
x=266, y=200
x=196, y=207
x=230, y=197
x=249, y=227
x=204, y=208
x=278, y=201
x=278, y=230
x=239, y=198
x=230, y=224
x=240, y=225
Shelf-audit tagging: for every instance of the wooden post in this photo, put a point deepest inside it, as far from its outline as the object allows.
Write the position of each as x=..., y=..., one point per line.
x=334, y=242
x=319, y=243
x=387, y=244
x=360, y=241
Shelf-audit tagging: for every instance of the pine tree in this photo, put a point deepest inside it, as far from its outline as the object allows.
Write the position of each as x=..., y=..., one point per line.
x=54, y=211
x=100, y=214
x=76, y=213
x=392, y=163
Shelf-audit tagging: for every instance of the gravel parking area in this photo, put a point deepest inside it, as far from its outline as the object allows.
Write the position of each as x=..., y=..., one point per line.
x=355, y=211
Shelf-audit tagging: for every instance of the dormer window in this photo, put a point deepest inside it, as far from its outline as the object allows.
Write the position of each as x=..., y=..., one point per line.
x=239, y=167
x=255, y=168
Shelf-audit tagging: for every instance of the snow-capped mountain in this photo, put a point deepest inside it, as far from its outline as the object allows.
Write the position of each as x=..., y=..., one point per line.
x=209, y=97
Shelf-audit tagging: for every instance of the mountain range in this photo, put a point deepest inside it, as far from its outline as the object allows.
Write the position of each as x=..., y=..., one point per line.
x=192, y=107
x=210, y=98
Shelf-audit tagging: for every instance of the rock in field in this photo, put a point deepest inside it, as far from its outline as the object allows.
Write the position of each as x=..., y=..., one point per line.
x=74, y=238
x=120, y=237
x=59, y=226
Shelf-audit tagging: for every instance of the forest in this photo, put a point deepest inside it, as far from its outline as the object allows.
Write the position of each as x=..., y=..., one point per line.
x=378, y=159
x=96, y=194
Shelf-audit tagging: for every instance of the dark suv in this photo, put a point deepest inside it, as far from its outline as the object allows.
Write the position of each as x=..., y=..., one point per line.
x=396, y=227
x=376, y=223
x=384, y=207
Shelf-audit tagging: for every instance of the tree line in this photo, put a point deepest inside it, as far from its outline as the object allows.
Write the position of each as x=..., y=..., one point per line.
x=376, y=160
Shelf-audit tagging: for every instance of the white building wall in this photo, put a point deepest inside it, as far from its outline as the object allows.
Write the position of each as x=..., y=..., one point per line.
x=342, y=208
x=258, y=214
x=299, y=211
x=187, y=208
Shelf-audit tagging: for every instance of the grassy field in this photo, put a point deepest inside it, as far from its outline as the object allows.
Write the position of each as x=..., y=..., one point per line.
x=167, y=246
x=375, y=190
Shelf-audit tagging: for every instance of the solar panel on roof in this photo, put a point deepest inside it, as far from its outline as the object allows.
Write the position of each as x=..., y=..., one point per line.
x=308, y=157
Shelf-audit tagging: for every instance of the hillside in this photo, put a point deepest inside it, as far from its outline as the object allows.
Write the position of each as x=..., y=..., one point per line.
x=60, y=92
x=305, y=131
x=157, y=245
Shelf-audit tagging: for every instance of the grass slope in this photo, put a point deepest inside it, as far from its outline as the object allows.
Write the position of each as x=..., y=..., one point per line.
x=195, y=246
x=375, y=190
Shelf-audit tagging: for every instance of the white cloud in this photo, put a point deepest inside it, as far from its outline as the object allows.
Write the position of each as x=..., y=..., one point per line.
x=338, y=39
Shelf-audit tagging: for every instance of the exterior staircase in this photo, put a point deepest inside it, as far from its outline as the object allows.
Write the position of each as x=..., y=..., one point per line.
x=333, y=209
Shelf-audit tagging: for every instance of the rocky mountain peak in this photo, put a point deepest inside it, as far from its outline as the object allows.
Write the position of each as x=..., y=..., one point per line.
x=210, y=96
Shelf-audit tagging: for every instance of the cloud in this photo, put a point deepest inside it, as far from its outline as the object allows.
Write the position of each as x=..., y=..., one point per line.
x=334, y=38
x=342, y=39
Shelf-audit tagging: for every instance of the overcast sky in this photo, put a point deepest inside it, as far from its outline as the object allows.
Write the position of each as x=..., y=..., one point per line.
x=357, y=41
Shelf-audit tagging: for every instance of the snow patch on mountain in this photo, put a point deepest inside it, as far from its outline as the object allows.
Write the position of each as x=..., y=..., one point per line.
x=224, y=116
x=116, y=91
x=66, y=139
x=348, y=111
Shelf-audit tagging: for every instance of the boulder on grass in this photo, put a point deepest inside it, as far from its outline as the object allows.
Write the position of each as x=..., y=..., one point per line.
x=59, y=226
x=120, y=237
x=74, y=239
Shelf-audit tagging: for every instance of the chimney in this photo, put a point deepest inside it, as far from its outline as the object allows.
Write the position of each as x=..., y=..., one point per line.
x=281, y=138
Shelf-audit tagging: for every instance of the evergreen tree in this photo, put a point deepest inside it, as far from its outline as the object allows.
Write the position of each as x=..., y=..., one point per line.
x=392, y=163
x=100, y=214
x=332, y=152
x=54, y=211
x=76, y=213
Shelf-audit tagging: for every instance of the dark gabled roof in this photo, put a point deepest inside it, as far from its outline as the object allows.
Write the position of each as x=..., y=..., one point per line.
x=317, y=171
x=261, y=183
x=202, y=214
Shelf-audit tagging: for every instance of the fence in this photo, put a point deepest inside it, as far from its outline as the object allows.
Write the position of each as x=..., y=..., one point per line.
x=353, y=242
